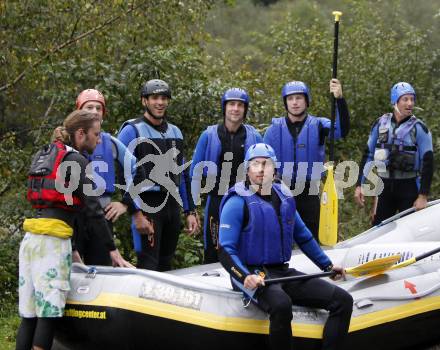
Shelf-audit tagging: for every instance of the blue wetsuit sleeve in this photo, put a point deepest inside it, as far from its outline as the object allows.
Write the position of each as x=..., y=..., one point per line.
x=308, y=245
x=268, y=136
x=426, y=157
x=184, y=190
x=231, y=222
x=127, y=134
x=131, y=176
x=368, y=156
x=342, y=121
x=199, y=152
x=198, y=156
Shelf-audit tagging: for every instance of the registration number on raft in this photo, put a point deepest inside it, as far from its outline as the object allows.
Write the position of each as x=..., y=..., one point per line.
x=166, y=293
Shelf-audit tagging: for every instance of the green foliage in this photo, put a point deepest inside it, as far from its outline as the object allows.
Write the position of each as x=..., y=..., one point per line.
x=8, y=268
x=201, y=49
x=9, y=323
x=189, y=252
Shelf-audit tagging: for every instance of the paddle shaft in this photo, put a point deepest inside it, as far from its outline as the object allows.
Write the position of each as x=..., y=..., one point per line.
x=416, y=258
x=332, y=97
x=299, y=278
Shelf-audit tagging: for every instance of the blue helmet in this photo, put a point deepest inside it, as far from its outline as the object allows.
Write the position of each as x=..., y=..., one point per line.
x=262, y=150
x=235, y=94
x=296, y=87
x=400, y=89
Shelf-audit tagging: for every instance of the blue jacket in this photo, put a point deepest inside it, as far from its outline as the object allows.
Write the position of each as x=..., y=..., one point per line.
x=103, y=166
x=264, y=240
x=212, y=146
x=306, y=149
x=102, y=161
x=410, y=137
x=154, y=143
x=209, y=149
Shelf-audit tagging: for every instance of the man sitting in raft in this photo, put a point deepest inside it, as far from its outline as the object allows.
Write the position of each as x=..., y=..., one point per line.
x=258, y=225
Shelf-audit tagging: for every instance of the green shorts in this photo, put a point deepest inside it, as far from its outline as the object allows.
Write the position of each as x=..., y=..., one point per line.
x=44, y=275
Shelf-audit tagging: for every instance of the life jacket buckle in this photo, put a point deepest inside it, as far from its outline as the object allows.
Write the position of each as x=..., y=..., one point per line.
x=246, y=301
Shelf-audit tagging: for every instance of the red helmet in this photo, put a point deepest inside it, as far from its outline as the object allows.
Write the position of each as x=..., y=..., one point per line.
x=90, y=95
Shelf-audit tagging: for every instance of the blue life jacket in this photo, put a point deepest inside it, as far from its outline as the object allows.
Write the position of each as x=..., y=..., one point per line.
x=266, y=239
x=104, y=153
x=161, y=143
x=214, y=146
x=306, y=149
x=397, y=147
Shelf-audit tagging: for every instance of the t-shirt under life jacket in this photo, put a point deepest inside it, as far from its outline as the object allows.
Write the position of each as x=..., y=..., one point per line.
x=104, y=153
x=305, y=150
x=42, y=176
x=396, y=146
x=214, y=147
x=267, y=238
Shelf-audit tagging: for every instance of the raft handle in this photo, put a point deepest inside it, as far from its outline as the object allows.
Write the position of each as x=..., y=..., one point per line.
x=363, y=303
x=91, y=272
x=211, y=273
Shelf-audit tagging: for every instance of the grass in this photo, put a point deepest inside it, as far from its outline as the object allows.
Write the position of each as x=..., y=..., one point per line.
x=9, y=322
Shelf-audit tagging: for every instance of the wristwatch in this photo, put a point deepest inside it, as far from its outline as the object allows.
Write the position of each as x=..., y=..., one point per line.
x=328, y=268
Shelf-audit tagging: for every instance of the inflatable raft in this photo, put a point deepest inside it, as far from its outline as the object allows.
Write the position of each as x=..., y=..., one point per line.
x=196, y=308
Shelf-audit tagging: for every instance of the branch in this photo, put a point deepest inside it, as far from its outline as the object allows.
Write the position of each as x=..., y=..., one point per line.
x=37, y=139
x=65, y=44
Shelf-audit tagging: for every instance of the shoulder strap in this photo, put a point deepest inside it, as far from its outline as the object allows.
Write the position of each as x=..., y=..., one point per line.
x=251, y=135
x=132, y=122
x=406, y=127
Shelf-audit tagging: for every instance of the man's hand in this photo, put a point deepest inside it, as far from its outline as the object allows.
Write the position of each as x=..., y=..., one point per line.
x=359, y=196
x=340, y=273
x=118, y=260
x=76, y=258
x=142, y=224
x=421, y=202
x=336, y=88
x=253, y=281
x=114, y=210
x=192, y=224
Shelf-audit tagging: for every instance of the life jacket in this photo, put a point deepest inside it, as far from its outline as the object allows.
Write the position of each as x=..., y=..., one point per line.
x=42, y=192
x=266, y=239
x=104, y=153
x=397, y=148
x=214, y=146
x=158, y=144
x=306, y=149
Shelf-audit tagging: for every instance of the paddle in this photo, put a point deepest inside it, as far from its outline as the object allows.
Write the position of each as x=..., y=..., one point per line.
x=415, y=259
x=328, y=219
x=373, y=267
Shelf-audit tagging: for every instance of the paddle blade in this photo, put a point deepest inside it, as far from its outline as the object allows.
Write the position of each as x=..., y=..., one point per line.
x=373, y=267
x=328, y=219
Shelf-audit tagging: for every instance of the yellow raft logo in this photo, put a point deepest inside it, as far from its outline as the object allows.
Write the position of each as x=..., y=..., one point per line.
x=99, y=315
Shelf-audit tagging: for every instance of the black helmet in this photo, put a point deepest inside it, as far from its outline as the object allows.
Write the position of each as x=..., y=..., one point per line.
x=156, y=87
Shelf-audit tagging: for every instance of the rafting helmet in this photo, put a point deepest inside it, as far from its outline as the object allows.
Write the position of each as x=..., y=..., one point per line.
x=90, y=95
x=400, y=89
x=262, y=150
x=156, y=87
x=235, y=94
x=296, y=87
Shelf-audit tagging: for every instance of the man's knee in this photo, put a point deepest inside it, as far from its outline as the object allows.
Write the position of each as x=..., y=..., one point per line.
x=342, y=302
x=281, y=310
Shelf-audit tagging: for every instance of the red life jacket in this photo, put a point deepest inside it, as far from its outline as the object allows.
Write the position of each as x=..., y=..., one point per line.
x=42, y=175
